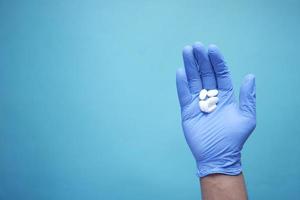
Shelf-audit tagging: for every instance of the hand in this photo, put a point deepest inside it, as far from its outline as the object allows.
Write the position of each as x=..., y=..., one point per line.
x=215, y=139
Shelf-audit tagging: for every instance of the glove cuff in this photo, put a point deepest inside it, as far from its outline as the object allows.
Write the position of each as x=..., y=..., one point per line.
x=224, y=166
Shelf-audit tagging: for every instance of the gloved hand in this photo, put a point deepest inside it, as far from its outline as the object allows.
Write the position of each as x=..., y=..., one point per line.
x=215, y=139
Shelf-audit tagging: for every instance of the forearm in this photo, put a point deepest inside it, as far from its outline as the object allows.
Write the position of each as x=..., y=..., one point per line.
x=223, y=187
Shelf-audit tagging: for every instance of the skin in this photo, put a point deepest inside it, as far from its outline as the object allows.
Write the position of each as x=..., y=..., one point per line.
x=223, y=187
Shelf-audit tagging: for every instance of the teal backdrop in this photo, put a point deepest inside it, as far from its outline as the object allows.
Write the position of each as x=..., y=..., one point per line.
x=88, y=103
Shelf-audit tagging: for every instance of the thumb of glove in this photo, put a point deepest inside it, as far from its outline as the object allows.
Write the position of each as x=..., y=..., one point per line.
x=248, y=95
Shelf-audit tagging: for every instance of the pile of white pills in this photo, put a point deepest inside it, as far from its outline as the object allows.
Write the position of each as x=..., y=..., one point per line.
x=208, y=100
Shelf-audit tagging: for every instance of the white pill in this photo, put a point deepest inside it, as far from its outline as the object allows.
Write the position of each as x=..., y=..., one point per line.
x=211, y=108
x=203, y=106
x=212, y=101
x=212, y=93
x=202, y=94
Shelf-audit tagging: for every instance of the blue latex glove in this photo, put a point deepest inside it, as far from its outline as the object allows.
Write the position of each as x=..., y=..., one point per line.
x=215, y=139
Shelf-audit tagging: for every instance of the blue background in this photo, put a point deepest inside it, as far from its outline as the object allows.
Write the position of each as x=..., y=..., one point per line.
x=88, y=100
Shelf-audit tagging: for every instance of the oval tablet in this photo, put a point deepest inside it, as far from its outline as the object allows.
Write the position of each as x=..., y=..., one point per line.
x=202, y=94
x=212, y=101
x=212, y=93
x=211, y=108
x=203, y=106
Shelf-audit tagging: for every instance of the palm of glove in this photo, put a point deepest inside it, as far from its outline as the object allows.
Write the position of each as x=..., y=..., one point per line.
x=215, y=139
x=224, y=130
